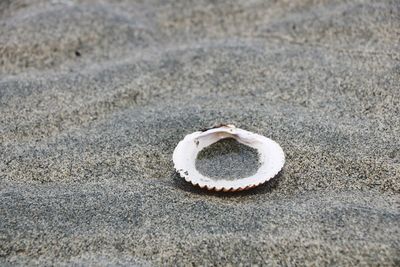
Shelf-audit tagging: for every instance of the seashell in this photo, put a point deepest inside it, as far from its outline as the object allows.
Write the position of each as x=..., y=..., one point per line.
x=271, y=157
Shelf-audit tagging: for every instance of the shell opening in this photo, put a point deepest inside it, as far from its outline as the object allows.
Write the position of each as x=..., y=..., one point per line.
x=228, y=159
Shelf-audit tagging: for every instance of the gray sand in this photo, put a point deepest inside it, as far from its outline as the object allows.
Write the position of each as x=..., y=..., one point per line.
x=228, y=159
x=95, y=95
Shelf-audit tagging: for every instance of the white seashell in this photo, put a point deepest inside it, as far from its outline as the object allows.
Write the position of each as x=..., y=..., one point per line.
x=271, y=157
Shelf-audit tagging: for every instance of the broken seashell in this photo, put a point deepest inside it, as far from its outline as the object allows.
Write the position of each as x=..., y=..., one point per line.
x=271, y=157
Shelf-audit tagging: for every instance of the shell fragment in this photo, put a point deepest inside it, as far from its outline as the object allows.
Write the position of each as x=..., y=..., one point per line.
x=271, y=158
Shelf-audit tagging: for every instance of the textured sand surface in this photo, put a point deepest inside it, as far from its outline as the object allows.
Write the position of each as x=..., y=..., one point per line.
x=94, y=96
x=228, y=159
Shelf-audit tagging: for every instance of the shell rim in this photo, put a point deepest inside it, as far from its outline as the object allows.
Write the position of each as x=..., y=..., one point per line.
x=228, y=128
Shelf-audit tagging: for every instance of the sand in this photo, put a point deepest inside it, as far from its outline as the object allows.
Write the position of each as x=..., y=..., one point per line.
x=228, y=159
x=95, y=95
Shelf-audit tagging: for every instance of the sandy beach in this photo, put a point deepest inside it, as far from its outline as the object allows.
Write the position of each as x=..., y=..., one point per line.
x=95, y=95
